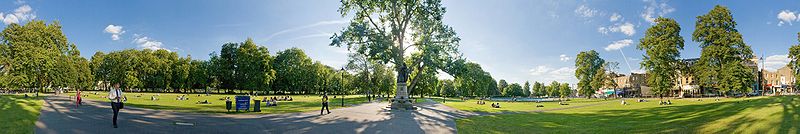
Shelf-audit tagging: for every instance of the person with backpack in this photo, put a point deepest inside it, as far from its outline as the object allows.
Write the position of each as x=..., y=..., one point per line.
x=115, y=95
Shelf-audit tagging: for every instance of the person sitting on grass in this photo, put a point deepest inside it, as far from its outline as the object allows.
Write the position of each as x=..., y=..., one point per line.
x=290, y=98
x=268, y=103
x=497, y=106
x=274, y=103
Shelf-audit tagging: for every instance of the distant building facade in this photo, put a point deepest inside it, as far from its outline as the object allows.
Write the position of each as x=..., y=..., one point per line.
x=779, y=81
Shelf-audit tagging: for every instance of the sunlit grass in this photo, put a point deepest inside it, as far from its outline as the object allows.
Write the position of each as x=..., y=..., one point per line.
x=471, y=105
x=738, y=115
x=18, y=114
x=167, y=101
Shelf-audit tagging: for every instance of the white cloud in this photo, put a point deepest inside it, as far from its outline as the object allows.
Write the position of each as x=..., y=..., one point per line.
x=563, y=57
x=147, y=43
x=616, y=45
x=585, y=11
x=22, y=13
x=787, y=16
x=615, y=17
x=115, y=31
x=547, y=74
x=655, y=9
x=10, y=18
x=625, y=28
x=321, y=23
x=602, y=30
x=776, y=62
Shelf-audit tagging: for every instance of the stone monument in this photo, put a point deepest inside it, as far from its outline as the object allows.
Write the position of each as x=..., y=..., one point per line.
x=401, y=100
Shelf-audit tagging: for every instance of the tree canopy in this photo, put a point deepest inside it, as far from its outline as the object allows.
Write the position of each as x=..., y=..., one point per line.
x=662, y=44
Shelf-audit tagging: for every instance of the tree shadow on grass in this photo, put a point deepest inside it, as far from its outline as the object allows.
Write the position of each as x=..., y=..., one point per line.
x=663, y=119
x=18, y=114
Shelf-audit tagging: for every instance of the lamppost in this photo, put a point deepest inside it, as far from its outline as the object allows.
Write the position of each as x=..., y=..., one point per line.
x=341, y=82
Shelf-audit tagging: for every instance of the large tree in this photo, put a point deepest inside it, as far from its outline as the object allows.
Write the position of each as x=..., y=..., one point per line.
x=526, y=89
x=722, y=47
x=588, y=64
x=662, y=44
x=37, y=55
x=253, y=67
x=293, y=69
x=390, y=31
x=564, y=90
x=794, y=55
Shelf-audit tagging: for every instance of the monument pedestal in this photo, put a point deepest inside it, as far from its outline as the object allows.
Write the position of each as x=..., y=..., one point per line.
x=401, y=100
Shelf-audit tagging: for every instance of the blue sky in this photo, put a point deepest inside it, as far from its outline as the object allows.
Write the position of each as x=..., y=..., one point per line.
x=516, y=40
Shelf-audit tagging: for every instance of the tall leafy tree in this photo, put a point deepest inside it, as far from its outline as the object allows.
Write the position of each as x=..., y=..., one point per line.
x=292, y=70
x=554, y=89
x=794, y=54
x=662, y=44
x=526, y=89
x=722, y=47
x=36, y=55
x=253, y=68
x=587, y=64
x=388, y=30
x=564, y=90
x=538, y=89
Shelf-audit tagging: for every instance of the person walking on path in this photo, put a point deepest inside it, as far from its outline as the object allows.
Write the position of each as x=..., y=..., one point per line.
x=115, y=95
x=78, y=98
x=324, y=104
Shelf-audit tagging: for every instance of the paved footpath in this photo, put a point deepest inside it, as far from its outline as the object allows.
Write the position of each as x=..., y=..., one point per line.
x=59, y=115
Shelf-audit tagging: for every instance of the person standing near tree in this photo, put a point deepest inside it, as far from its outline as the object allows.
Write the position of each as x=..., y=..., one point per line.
x=115, y=95
x=324, y=104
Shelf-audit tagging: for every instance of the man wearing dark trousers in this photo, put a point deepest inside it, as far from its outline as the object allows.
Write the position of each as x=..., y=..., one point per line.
x=324, y=104
x=115, y=95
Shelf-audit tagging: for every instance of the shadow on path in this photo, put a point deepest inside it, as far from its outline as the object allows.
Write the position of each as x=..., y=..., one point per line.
x=59, y=115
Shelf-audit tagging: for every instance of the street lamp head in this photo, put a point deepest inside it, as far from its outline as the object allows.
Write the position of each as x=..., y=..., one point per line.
x=342, y=69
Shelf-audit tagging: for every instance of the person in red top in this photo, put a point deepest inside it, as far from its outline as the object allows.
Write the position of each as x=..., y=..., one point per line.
x=78, y=98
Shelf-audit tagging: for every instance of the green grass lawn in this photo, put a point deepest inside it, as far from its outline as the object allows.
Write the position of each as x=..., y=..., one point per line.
x=18, y=114
x=471, y=105
x=167, y=101
x=739, y=115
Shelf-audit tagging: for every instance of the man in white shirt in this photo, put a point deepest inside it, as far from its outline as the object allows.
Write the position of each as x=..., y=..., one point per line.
x=115, y=95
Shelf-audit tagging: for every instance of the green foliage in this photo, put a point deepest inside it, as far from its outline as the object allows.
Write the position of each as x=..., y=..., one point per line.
x=526, y=89
x=380, y=30
x=722, y=46
x=292, y=67
x=662, y=44
x=447, y=88
x=794, y=54
x=472, y=80
x=39, y=56
x=554, y=89
x=538, y=89
x=513, y=90
x=588, y=64
x=564, y=90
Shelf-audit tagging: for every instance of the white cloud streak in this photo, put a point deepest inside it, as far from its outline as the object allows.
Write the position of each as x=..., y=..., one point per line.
x=115, y=31
x=615, y=17
x=616, y=45
x=787, y=16
x=563, y=57
x=776, y=62
x=625, y=28
x=654, y=9
x=585, y=11
x=321, y=23
x=21, y=14
x=547, y=74
x=145, y=42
